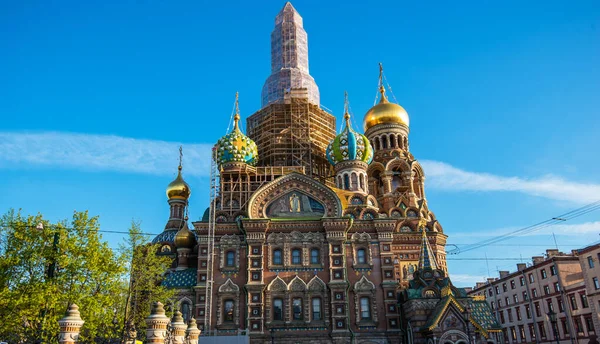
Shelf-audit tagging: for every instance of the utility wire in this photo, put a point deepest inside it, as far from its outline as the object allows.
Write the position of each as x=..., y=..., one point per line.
x=535, y=227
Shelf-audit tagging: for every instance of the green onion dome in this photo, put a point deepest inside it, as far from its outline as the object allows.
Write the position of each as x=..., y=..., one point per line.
x=349, y=145
x=235, y=146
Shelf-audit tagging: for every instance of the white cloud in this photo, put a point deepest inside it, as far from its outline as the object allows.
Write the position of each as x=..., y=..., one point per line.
x=102, y=152
x=446, y=177
x=115, y=153
x=557, y=229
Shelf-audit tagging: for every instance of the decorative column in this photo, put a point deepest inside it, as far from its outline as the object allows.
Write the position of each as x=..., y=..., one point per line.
x=178, y=327
x=192, y=333
x=157, y=324
x=70, y=325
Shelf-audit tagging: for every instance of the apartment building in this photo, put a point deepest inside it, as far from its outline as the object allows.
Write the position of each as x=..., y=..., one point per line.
x=589, y=258
x=522, y=301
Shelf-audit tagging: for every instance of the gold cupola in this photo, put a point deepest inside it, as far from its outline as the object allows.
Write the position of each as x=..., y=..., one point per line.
x=385, y=112
x=179, y=189
x=184, y=237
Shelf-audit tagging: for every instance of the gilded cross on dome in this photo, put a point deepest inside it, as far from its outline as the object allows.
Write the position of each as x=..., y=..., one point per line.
x=238, y=143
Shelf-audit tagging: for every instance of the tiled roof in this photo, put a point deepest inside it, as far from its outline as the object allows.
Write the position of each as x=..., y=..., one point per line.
x=482, y=314
x=180, y=279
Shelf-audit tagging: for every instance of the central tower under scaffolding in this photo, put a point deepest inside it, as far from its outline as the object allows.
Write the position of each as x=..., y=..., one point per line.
x=291, y=129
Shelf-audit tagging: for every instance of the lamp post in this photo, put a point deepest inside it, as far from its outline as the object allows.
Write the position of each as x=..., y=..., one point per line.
x=552, y=317
x=466, y=313
x=272, y=335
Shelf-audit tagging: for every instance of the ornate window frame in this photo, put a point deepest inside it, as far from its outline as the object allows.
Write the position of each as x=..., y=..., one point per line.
x=361, y=241
x=228, y=291
x=229, y=243
x=365, y=288
x=276, y=289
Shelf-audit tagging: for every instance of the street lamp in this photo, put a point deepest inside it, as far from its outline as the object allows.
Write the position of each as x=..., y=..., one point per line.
x=552, y=317
x=466, y=313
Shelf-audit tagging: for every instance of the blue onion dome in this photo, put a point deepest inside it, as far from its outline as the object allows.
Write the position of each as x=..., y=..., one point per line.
x=349, y=145
x=235, y=146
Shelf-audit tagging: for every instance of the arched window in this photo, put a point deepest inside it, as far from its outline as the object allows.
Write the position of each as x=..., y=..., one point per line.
x=314, y=256
x=186, y=311
x=346, y=182
x=377, y=143
x=228, y=311
x=297, y=308
x=365, y=310
x=277, y=309
x=384, y=143
x=316, y=308
x=392, y=141
x=361, y=256
x=354, y=181
x=296, y=256
x=362, y=182
x=230, y=259
x=400, y=142
x=277, y=257
x=339, y=184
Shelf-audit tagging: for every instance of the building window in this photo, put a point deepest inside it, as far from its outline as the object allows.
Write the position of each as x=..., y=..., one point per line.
x=525, y=296
x=521, y=281
x=543, y=272
x=531, y=331
x=542, y=329
x=228, y=311
x=504, y=287
x=361, y=256
x=316, y=309
x=509, y=313
x=507, y=300
x=596, y=284
x=490, y=292
x=518, y=313
x=314, y=256
x=590, y=262
x=584, y=301
x=516, y=298
x=531, y=278
x=565, y=326
x=499, y=303
x=365, y=310
x=557, y=287
x=553, y=270
x=578, y=325
x=277, y=309
x=230, y=259
x=513, y=334
x=573, y=301
x=512, y=284
x=497, y=290
x=550, y=305
x=546, y=290
x=493, y=305
x=502, y=317
x=534, y=292
x=561, y=305
x=528, y=311
x=297, y=308
x=538, y=311
x=296, y=256
x=589, y=324
x=522, y=332
x=277, y=257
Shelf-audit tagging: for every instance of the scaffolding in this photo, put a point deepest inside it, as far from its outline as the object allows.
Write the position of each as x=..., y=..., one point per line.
x=210, y=252
x=294, y=133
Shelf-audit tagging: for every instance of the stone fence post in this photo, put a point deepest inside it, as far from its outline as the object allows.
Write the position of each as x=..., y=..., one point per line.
x=192, y=332
x=157, y=324
x=70, y=325
x=178, y=328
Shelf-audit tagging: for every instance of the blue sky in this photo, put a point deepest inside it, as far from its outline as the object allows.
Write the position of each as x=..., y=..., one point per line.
x=95, y=98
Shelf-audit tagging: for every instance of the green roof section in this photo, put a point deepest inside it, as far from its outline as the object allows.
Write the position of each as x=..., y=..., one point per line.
x=180, y=279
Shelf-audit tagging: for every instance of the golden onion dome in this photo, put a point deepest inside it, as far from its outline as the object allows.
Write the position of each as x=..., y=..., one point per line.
x=185, y=238
x=178, y=189
x=385, y=113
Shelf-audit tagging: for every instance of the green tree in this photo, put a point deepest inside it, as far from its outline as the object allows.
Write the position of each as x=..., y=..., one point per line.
x=147, y=270
x=45, y=267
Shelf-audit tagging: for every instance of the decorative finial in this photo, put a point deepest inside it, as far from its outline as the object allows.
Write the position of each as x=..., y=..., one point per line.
x=180, y=157
x=381, y=87
x=346, y=107
x=236, y=117
x=422, y=224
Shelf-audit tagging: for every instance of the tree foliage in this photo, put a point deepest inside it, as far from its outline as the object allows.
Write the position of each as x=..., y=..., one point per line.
x=44, y=268
x=146, y=274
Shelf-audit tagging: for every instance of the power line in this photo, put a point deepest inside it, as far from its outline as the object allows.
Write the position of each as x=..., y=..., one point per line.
x=532, y=228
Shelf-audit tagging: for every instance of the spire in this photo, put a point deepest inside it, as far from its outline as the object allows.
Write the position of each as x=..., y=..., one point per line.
x=180, y=158
x=426, y=257
x=289, y=59
x=381, y=87
x=346, y=111
x=236, y=117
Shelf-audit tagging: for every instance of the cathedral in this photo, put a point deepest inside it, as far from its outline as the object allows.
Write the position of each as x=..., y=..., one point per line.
x=314, y=236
